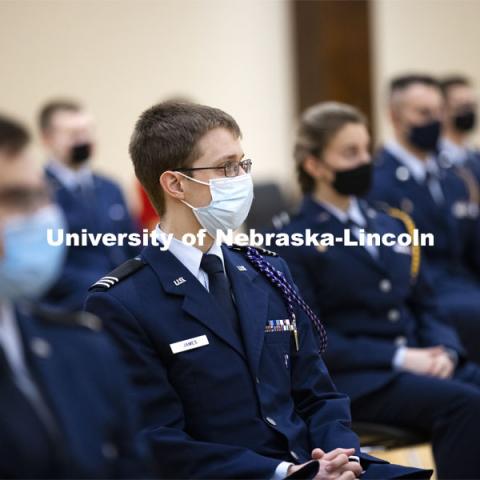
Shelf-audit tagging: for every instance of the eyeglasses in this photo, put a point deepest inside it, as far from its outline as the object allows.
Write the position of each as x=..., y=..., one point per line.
x=230, y=169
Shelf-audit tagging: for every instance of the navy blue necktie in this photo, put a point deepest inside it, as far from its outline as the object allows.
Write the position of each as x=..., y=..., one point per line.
x=219, y=287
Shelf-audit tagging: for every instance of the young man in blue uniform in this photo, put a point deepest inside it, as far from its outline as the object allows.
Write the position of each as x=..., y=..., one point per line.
x=387, y=350
x=63, y=397
x=457, y=149
x=89, y=201
x=407, y=176
x=460, y=122
x=220, y=347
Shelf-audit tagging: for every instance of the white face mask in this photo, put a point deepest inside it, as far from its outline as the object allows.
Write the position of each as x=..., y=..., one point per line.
x=231, y=201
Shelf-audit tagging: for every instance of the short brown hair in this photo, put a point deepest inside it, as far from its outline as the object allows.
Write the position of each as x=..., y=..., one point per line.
x=166, y=137
x=318, y=125
x=14, y=137
x=52, y=107
x=454, y=81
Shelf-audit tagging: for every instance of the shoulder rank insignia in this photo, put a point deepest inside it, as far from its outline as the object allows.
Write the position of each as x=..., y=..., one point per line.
x=120, y=273
x=260, y=250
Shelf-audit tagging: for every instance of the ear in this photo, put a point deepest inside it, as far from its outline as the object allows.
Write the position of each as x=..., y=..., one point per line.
x=172, y=184
x=313, y=166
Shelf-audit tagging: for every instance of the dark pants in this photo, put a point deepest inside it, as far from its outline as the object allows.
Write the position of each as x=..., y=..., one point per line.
x=448, y=410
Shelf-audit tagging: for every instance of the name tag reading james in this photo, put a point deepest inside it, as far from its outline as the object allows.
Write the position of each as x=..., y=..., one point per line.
x=189, y=344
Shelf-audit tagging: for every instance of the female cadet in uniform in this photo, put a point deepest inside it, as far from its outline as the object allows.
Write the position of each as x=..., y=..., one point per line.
x=387, y=351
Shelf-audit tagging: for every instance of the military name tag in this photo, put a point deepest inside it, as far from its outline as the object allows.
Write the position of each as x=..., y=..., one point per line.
x=189, y=344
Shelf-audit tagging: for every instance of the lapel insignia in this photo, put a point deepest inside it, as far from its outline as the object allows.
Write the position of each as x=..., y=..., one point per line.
x=241, y=268
x=178, y=281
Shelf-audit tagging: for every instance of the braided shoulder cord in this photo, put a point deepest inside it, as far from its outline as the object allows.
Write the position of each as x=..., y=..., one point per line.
x=410, y=227
x=289, y=295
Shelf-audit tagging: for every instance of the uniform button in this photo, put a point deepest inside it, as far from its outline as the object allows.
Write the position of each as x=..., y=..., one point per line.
x=385, y=285
x=393, y=315
x=116, y=212
x=271, y=421
x=109, y=451
x=294, y=455
x=402, y=174
x=400, y=341
x=40, y=347
x=257, y=379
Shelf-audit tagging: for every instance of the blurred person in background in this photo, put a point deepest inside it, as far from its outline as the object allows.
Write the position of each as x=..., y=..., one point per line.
x=458, y=150
x=408, y=176
x=460, y=122
x=387, y=349
x=89, y=201
x=64, y=402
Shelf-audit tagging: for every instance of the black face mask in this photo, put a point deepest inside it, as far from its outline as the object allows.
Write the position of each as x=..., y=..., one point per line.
x=356, y=181
x=425, y=137
x=465, y=122
x=80, y=153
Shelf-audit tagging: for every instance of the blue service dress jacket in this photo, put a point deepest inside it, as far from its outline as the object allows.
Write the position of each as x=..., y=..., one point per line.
x=100, y=208
x=88, y=428
x=370, y=305
x=453, y=261
x=237, y=405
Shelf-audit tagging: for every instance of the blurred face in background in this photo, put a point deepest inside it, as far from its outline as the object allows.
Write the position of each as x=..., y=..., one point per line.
x=28, y=264
x=70, y=137
x=460, y=109
x=344, y=165
x=22, y=188
x=417, y=113
x=348, y=149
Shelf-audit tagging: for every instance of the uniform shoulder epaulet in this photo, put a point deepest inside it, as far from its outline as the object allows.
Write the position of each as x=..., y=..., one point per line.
x=115, y=276
x=407, y=220
x=65, y=318
x=261, y=250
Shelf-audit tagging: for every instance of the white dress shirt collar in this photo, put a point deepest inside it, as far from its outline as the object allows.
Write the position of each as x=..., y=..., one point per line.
x=71, y=178
x=10, y=337
x=188, y=255
x=417, y=167
x=457, y=154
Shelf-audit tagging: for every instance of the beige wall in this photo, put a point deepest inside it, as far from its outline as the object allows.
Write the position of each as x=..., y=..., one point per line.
x=121, y=56
x=437, y=36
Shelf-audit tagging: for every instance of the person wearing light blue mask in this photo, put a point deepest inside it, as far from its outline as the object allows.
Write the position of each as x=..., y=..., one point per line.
x=29, y=265
x=53, y=395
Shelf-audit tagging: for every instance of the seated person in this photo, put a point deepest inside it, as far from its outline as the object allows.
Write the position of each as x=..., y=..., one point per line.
x=387, y=350
x=408, y=175
x=225, y=393
x=63, y=396
x=459, y=124
x=89, y=201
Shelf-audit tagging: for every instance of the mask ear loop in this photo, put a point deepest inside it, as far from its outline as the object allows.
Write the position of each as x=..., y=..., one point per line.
x=197, y=181
x=194, y=179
